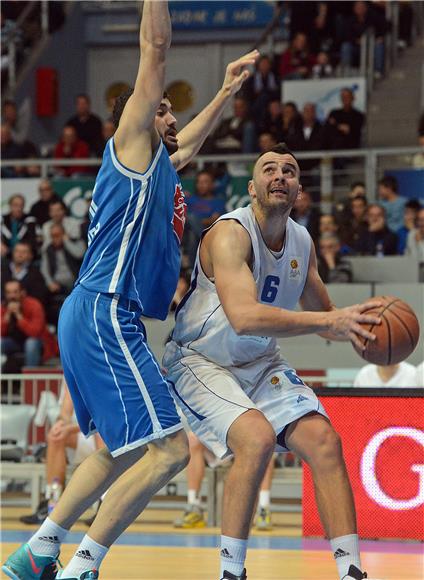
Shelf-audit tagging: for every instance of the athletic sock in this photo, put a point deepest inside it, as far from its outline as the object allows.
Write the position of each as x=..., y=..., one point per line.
x=233, y=555
x=88, y=556
x=192, y=497
x=46, y=541
x=346, y=552
x=264, y=499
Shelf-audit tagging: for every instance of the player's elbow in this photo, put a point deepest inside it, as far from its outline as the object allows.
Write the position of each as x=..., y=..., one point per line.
x=240, y=324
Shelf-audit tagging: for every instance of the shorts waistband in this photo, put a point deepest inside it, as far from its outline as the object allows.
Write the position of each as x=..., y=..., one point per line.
x=107, y=298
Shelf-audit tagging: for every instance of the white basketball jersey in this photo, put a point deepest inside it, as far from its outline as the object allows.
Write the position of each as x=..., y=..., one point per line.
x=201, y=324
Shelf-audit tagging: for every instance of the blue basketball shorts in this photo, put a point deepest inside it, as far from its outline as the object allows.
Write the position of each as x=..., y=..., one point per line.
x=114, y=380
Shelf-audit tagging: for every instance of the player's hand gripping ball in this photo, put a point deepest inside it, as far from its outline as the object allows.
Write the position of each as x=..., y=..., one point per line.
x=397, y=335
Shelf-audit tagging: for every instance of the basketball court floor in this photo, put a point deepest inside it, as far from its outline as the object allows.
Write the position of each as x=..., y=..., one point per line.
x=152, y=549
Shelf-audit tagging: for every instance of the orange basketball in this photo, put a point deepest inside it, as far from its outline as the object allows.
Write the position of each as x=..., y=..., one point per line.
x=397, y=335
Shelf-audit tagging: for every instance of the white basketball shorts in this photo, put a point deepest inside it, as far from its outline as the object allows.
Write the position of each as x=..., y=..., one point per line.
x=212, y=397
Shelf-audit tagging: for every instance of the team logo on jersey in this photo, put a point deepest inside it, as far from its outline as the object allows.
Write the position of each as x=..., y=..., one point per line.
x=180, y=210
x=294, y=268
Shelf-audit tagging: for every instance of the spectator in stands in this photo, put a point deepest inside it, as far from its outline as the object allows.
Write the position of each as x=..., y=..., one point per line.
x=305, y=214
x=297, y=61
x=344, y=126
x=108, y=131
x=418, y=158
x=377, y=240
x=87, y=125
x=357, y=189
x=58, y=215
x=266, y=142
x=21, y=268
x=308, y=135
x=271, y=121
x=23, y=324
x=393, y=203
x=236, y=134
x=16, y=226
x=327, y=224
x=410, y=215
x=18, y=121
x=60, y=264
x=322, y=69
x=290, y=122
x=355, y=223
x=415, y=242
x=400, y=375
x=332, y=267
x=70, y=147
x=65, y=444
x=364, y=17
x=9, y=150
x=203, y=208
x=262, y=87
x=40, y=209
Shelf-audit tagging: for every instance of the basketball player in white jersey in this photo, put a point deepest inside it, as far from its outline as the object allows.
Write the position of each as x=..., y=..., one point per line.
x=227, y=375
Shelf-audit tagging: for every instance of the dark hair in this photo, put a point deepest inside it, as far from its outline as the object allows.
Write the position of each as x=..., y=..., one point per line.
x=120, y=103
x=60, y=202
x=360, y=197
x=357, y=184
x=83, y=96
x=281, y=149
x=413, y=204
x=389, y=181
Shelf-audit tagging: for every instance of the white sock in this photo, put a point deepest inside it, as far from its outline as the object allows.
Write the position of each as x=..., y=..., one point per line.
x=233, y=555
x=192, y=497
x=48, y=492
x=46, y=541
x=264, y=499
x=346, y=552
x=88, y=556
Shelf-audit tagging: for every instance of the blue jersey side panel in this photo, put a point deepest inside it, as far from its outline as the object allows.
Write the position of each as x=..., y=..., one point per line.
x=135, y=231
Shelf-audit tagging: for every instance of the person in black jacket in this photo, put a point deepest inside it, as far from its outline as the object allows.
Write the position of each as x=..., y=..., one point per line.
x=60, y=264
x=306, y=215
x=377, y=240
x=16, y=226
x=87, y=125
x=40, y=209
x=344, y=125
x=20, y=268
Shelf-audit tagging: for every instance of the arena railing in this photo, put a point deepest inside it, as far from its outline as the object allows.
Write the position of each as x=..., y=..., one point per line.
x=367, y=164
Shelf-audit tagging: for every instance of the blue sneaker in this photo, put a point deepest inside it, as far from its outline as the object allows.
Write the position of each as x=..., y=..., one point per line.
x=89, y=575
x=24, y=565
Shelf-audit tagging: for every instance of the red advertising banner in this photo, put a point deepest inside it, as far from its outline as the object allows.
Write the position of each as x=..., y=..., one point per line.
x=383, y=444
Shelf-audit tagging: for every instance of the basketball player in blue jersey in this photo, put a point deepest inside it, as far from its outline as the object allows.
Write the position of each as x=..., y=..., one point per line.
x=226, y=372
x=130, y=269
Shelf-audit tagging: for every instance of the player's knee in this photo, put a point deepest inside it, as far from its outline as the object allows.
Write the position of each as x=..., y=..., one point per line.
x=176, y=453
x=260, y=447
x=328, y=444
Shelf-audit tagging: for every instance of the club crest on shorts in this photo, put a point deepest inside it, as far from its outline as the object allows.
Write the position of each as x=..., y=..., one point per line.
x=294, y=268
x=180, y=210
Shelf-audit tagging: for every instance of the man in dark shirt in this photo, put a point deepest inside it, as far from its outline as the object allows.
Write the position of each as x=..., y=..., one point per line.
x=40, y=209
x=16, y=226
x=307, y=136
x=344, y=126
x=20, y=268
x=87, y=125
x=378, y=240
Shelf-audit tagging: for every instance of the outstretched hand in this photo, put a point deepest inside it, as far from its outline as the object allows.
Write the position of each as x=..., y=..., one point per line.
x=237, y=72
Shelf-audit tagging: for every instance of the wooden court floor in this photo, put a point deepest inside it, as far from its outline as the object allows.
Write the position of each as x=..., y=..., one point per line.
x=152, y=549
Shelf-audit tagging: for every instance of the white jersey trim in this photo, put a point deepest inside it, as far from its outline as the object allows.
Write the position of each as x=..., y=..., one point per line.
x=134, y=174
x=126, y=238
x=131, y=363
x=111, y=369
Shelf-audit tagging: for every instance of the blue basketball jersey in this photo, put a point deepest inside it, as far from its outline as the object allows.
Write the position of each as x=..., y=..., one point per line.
x=137, y=222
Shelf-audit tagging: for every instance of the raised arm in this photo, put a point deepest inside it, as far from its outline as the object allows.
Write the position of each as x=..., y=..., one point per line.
x=192, y=137
x=227, y=252
x=136, y=136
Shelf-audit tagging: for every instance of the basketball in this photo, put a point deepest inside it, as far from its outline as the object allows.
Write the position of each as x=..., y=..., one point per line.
x=397, y=335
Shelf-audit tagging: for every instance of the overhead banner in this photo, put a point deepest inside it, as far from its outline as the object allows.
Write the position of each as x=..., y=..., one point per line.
x=325, y=93
x=212, y=15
